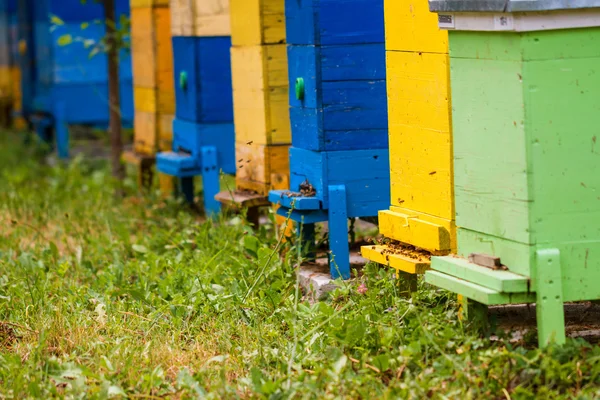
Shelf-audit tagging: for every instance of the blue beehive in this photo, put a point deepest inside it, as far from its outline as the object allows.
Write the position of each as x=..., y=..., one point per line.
x=61, y=84
x=338, y=107
x=203, y=132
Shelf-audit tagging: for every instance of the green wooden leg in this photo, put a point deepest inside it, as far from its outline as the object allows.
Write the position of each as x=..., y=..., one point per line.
x=475, y=314
x=407, y=283
x=550, y=310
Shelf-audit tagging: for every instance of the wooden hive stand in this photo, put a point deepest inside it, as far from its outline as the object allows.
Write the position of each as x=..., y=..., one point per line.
x=339, y=156
x=420, y=221
x=260, y=90
x=57, y=77
x=203, y=134
x=154, y=88
x=524, y=98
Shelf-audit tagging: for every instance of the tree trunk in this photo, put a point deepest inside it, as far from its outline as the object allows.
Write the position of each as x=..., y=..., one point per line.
x=116, y=142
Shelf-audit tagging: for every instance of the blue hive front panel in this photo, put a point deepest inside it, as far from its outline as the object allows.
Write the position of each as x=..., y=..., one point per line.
x=334, y=22
x=203, y=89
x=337, y=74
x=67, y=73
x=364, y=173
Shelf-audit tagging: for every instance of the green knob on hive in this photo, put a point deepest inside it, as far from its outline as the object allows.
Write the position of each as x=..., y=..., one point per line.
x=183, y=80
x=300, y=88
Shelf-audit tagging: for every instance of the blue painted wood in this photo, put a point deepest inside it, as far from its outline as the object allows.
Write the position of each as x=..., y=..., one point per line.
x=207, y=96
x=303, y=216
x=345, y=93
x=365, y=173
x=339, y=254
x=191, y=138
x=283, y=198
x=324, y=22
x=54, y=74
x=210, y=180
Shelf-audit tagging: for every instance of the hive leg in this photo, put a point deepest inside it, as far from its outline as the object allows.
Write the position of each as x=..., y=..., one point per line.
x=187, y=189
x=306, y=239
x=550, y=307
x=407, y=283
x=210, y=180
x=339, y=256
x=62, y=131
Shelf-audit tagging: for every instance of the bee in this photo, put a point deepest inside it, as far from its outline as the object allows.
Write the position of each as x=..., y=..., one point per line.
x=250, y=142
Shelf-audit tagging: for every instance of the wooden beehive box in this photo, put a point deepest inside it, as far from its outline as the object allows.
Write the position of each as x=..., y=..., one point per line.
x=338, y=110
x=422, y=197
x=524, y=84
x=260, y=93
x=152, y=58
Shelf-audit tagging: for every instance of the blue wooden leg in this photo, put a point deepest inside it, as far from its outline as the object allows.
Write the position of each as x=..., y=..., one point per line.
x=61, y=130
x=210, y=180
x=339, y=255
x=306, y=239
x=187, y=188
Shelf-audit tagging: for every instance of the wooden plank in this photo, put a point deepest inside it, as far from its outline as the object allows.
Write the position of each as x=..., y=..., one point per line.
x=256, y=163
x=411, y=27
x=260, y=94
x=409, y=228
x=148, y=3
x=152, y=132
x=153, y=101
x=498, y=280
x=242, y=199
x=475, y=292
x=257, y=22
x=383, y=255
x=200, y=18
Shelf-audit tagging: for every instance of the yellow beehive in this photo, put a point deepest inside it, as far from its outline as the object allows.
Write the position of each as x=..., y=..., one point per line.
x=154, y=89
x=422, y=211
x=19, y=123
x=260, y=93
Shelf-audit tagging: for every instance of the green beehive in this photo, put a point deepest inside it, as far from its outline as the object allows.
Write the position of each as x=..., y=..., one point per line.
x=525, y=81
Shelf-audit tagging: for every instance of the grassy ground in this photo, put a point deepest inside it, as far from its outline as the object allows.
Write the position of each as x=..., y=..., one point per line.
x=137, y=299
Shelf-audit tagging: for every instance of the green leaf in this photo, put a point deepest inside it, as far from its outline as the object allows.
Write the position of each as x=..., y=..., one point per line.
x=138, y=248
x=54, y=20
x=65, y=40
x=84, y=25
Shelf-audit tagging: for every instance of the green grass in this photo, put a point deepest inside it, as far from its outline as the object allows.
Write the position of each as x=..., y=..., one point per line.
x=139, y=298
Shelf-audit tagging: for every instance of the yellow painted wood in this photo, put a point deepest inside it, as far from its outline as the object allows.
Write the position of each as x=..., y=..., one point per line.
x=260, y=94
x=258, y=165
x=166, y=184
x=419, y=110
x=380, y=254
x=153, y=132
x=436, y=235
x=5, y=82
x=200, y=18
x=411, y=27
x=148, y=3
x=255, y=22
x=152, y=52
x=153, y=100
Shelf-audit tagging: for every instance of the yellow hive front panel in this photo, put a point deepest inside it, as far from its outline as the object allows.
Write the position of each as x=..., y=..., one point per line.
x=153, y=101
x=152, y=132
x=5, y=83
x=260, y=94
x=409, y=26
x=148, y=3
x=143, y=49
x=164, y=51
x=200, y=18
x=255, y=22
x=259, y=165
